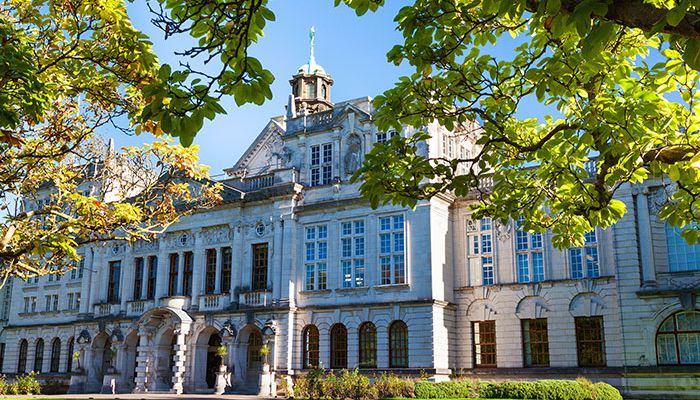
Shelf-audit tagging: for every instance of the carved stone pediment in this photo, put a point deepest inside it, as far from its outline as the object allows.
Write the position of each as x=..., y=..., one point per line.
x=143, y=246
x=216, y=235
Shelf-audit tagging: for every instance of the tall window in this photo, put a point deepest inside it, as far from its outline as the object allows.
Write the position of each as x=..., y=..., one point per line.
x=226, y=264
x=321, y=164
x=484, y=342
x=2, y=356
x=535, y=342
x=482, y=247
x=138, y=278
x=316, y=254
x=39, y=355
x=391, y=250
x=590, y=343
x=368, y=345
x=529, y=256
x=584, y=260
x=172, y=276
x=22, y=358
x=55, y=354
x=210, y=271
x=681, y=255
x=398, y=345
x=382, y=137
x=187, y=276
x=339, y=346
x=259, y=266
x=310, y=344
x=77, y=271
x=254, y=345
x=352, y=253
x=115, y=269
x=678, y=339
x=152, y=274
x=71, y=346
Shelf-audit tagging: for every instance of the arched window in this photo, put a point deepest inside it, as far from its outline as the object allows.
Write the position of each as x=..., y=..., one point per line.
x=310, y=90
x=339, y=346
x=678, y=339
x=324, y=91
x=22, y=360
x=368, y=345
x=398, y=345
x=55, y=354
x=310, y=340
x=71, y=346
x=254, y=345
x=39, y=355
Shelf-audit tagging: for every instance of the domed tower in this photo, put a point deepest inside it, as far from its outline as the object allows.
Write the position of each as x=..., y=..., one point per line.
x=311, y=87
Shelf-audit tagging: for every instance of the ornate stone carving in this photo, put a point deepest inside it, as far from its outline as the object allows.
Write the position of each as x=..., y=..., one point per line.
x=143, y=246
x=179, y=239
x=659, y=197
x=216, y=235
x=503, y=232
x=353, y=154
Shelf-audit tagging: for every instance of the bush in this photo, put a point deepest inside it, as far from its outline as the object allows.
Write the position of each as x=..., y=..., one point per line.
x=549, y=390
x=349, y=385
x=446, y=390
x=28, y=384
x=390, y=385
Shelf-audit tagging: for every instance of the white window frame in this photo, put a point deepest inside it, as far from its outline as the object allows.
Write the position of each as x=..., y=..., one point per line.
x=480, y=245
x=321, y=167
x=528, y=246
x=316, y=262
x=588, y=256
x=352, y=260
x=392, y=261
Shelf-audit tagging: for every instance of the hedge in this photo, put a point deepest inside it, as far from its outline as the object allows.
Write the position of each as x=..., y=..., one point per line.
x=580, y=389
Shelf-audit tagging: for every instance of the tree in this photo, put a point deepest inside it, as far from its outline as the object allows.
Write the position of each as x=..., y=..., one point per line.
x=617, y=82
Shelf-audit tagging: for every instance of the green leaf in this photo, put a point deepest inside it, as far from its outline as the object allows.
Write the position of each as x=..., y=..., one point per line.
x=677, y=13
x=691, y=56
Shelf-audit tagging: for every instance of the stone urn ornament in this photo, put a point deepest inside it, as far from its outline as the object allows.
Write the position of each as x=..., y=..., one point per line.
x=222, y=376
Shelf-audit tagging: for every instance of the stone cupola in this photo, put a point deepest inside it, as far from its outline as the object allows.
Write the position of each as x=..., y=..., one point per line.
x=311, y=87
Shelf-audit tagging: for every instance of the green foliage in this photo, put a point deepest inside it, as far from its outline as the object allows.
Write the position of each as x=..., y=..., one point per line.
x=24, y=384
x=390, y=385
x=574, y=107
x=450, y=390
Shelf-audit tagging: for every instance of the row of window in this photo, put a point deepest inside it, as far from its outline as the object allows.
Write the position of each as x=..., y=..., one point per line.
x=181, y=284
x=529, y=253
x=51, y=302
x=391, y=257
x=76, y=272
x=590, y=343
x=39, y=356
x=367, y=345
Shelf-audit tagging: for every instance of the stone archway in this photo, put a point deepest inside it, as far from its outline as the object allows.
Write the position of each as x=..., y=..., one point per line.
x=100, y=361
x=206, y=362
x=247, y=360
x=162, y=350
x=128, y=358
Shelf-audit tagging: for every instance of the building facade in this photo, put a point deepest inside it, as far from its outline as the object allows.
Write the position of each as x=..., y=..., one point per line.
x=295, y=260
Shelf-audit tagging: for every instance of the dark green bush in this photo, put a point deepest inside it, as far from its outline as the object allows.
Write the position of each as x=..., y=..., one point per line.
x=580, y=389
x=28, y=384
x=446, y=390
x=349, y=385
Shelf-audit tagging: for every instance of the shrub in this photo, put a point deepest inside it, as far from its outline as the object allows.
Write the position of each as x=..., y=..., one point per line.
x=549, y=390
x=309, y=386
x=446, y=390
x=349, y=385
x=390, y=385
x=27, y=384
x=13, y=388
x=3, y=386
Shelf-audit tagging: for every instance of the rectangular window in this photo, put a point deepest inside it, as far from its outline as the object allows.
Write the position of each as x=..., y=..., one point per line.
x=172, y=274
x=259, y=267
x=226, y=264
x=32, y=304
x=138, y=278
x=188, y=272
x=115, y=268
x=583, y=261
x=2, y=356
x=352, y=259
x=391, y=250
x=26, y=304
x=152, y=273
x=480, y=241
x=316, y=246
x=535, y=342
x=70, y=301
x=55, y=302
x=681, y=255
x=484, y=342
x=210, y=272
x=47, y=306
x=321, y=164
x=77, y=301
x=529, y=254
x=590, y=343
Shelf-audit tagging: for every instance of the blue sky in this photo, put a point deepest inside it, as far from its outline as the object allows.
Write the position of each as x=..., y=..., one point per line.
x=352, y=50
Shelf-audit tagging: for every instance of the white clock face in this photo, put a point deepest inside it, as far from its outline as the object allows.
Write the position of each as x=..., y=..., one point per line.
x=260, y=229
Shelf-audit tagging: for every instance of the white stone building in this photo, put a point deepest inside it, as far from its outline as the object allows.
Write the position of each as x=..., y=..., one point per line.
x=296, y=260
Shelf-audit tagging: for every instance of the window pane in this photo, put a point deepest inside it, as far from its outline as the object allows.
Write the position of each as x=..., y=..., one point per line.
x=681, y=256
x=360, y=246
x=346, y=247
x=484, y=343
x=576, y=263
x=589, y=341
x=359, y=227
x=385, y=224
x=347, y=273
x=346, y=228
x=486, y=243
x=523, y=267
x=666, y=349
x=689, y=347
x=359, y=273
x=385, y=243
x=537, y=267
x=322, y=250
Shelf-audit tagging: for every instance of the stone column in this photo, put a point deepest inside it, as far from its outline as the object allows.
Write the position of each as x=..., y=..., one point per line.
x=353, y=348
x=217, y=279
x=382, y=347
x=144, y=277
x=128, y=273
x=162, y=274
x=198, y=260
x=144, y=363
x=646, y=249
x=179, y=359
x=237, y=261
x=276, y=260
x=87, y=283
x=180, y=272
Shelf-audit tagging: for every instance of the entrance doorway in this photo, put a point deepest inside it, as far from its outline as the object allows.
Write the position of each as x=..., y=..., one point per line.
x=254, y=359
x=213, y=360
